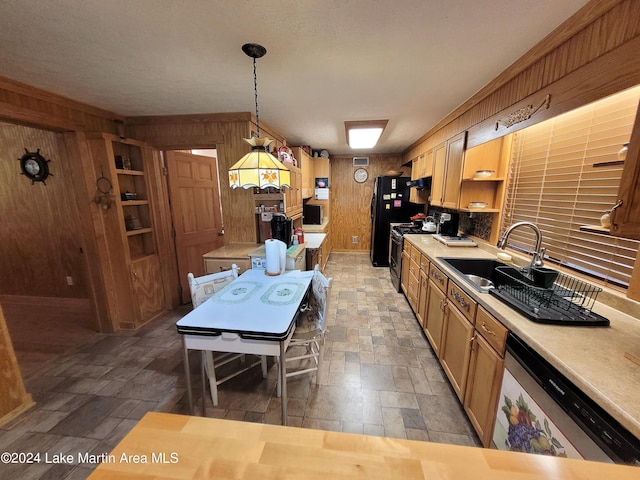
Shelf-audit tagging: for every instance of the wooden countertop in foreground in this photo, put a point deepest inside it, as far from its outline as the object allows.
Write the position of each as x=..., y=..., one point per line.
x=208, y=448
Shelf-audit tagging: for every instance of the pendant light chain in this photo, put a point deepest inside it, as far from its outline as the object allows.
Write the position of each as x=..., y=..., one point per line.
x=255, y=89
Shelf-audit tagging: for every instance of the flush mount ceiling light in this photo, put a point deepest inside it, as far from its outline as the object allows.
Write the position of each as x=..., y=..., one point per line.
x=364, y=133
x=258, y=168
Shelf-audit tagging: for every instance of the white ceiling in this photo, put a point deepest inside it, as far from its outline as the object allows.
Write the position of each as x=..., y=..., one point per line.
x=409, y=61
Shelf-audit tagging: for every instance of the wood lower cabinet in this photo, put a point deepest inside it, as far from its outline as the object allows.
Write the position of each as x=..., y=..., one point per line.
x=148, y=291
x=434, y=316
x=483, y=387
x=457, y=335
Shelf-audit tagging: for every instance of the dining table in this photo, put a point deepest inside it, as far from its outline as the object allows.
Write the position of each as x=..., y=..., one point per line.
x=255, y=314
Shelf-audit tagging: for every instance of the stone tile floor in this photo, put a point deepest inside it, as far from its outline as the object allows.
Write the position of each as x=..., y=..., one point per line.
x=380, y=377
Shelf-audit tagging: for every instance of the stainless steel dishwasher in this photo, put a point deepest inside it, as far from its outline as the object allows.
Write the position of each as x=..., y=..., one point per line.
x=541, y=411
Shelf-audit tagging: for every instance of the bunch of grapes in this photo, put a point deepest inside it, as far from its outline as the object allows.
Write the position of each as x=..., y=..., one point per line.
x=520, y=435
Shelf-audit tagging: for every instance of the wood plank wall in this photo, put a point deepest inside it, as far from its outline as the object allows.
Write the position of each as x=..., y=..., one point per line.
x=225, y=132
x=351, y=218
x=40, y=242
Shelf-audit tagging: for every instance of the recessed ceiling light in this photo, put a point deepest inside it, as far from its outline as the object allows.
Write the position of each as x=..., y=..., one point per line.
x=364, y=133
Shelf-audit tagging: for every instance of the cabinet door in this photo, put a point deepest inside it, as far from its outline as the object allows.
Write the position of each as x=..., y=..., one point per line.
x=453, y=176
x=625, y=220
x=434, y=316
x=422, y=297
x=404, y=276
x=148, y=289
x=439, y=173
x=217, y=265
x=483, y=388
x=456, y=349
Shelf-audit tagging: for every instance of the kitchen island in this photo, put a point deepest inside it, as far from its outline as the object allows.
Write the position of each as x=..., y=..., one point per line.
x=164, y=446
x=600, y=361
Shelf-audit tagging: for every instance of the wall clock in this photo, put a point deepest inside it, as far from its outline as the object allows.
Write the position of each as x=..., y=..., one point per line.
x=34, y=166
x=360, y=175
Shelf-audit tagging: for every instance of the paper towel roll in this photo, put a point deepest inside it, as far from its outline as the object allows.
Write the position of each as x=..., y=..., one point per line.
x=276, y=255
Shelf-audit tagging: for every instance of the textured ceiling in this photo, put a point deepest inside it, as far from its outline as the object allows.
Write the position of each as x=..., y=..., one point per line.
x=409, y=61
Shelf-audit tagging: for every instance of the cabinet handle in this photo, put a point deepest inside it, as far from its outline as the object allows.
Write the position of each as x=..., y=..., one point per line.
x=471, y=341
x=460, y=299
x=443, y=304
x=223, y=269
x=484, y=327
x=437, y=276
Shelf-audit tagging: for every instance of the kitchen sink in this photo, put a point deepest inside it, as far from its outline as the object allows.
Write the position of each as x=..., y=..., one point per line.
x=567, y=302
x=478, y=272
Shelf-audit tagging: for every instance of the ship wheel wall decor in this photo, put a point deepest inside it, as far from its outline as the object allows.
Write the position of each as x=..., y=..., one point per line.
x=34, y=166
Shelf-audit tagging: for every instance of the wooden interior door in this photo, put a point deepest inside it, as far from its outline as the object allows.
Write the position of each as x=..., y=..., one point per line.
x=195, y=210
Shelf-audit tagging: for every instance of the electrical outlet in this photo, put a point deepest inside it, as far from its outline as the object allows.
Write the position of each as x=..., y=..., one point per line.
x=70, y=281
x=354, y=239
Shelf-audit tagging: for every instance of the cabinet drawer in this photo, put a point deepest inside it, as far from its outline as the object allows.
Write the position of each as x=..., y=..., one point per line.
x=424, y=263
x=408, y=249
x=462, y=301
x=414, y=282
x=216, y=265
x=416, y=255
x=492, y=330
x=438, y=277
x=414, y=268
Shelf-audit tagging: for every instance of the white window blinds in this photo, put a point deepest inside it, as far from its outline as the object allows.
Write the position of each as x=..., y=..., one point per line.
x=555, y=184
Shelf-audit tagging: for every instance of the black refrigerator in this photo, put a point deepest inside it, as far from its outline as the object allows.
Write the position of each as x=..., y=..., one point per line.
x=389, y=203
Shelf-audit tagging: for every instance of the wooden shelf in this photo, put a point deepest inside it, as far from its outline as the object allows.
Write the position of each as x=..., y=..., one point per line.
x=612, y=163
x=120, y=171
x=480, y=210
x=488, y=179
x=595, y=229
x=131, y=203
x=139, y=231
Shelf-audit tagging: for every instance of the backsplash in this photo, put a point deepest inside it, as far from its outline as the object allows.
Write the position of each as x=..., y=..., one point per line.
x=478, y=224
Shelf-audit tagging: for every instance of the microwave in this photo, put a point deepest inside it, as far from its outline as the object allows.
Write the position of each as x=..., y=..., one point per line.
x=312, y=214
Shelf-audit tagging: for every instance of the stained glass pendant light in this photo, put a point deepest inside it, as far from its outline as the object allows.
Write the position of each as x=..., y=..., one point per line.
x=258, y=168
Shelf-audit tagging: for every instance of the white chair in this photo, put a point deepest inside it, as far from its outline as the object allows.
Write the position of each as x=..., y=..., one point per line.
x=306, y=348
x=203, y=288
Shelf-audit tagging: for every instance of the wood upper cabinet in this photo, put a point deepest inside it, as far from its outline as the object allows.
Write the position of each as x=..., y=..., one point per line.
x=439, y=173
x=422, y=166
x=625, y=219
x=293, y=195
x=305, y=162
x=453, y=176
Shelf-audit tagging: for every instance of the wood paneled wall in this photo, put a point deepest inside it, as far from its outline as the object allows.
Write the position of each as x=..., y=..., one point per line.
x=40, y=241
x=351, y=201
x=225, y=132
x=20, y=103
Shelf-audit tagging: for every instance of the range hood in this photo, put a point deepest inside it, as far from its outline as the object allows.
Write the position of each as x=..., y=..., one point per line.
x=420, y=183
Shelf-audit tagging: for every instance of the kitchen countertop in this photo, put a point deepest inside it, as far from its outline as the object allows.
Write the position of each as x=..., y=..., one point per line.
x=314, y=240
x=316, y=228
x=168, y=446
x=232, y=250
x=595, y=359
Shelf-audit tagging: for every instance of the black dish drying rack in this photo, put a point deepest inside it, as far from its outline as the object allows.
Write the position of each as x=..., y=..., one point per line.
x=567, y=301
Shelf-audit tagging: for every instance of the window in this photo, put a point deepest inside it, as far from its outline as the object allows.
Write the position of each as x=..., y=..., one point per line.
x=564, y=178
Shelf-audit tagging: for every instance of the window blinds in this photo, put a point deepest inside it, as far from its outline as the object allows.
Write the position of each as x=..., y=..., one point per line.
x=555, y=184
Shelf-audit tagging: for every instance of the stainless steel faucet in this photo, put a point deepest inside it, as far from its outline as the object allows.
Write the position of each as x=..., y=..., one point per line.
x=538, y=255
